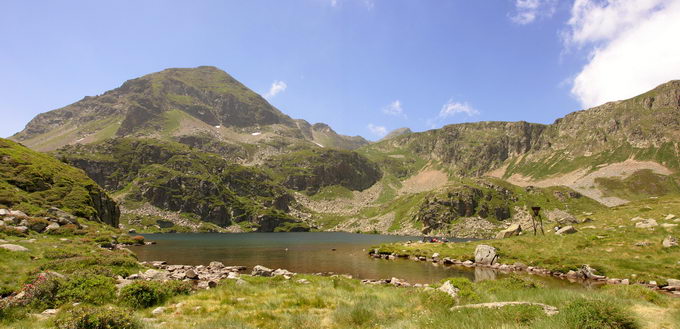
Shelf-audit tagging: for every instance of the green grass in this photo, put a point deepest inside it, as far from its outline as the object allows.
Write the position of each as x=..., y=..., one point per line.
x=332, y=192
x=609, y=247
x=640, y=185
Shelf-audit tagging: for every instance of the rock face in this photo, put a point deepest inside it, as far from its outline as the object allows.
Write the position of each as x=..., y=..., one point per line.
x=513, y=230
x=486, y=201
x=670, y=241
x=485, y=255
x=309, y=170
x=34, y=178
x=174, y=177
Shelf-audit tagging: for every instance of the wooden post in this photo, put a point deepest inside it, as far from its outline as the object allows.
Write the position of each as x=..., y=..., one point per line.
x=536, y=213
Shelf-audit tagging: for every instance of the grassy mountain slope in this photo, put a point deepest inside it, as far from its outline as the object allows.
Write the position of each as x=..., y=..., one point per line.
x=33, y=182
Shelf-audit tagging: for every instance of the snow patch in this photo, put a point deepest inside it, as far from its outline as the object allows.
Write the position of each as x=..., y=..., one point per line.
x=218, y=126
x=256, y=134
x=318, y=144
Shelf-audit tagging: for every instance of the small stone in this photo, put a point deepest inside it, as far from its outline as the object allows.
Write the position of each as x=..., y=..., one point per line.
x=21, y=229
x=233, y=275
x=566, y=230
x=50, y=311
x=4, y=212
x=670, y=241
x=646, y=223
x=13, y=247
x=667, y=225
x=158, y=310
x=673, y=282
x=670, y=216
x=303, y=281
x=625, y=281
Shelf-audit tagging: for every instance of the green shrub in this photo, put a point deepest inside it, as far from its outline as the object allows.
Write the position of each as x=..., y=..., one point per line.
x=88, y=317
x=59, y=254
x=138, y=239
x=68, y=229
x=143, y=294
x=93, y=289
x=597, y=314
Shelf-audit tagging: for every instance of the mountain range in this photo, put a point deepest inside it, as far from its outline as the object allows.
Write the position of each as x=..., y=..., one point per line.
x=194, y=149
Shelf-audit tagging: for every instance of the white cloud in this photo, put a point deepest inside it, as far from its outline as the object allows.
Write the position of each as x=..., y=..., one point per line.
x=527, y=11
x=632, y=47
x=379, y=131
x=276, y=88
x=394, y=109
x=452, y=108
x=334, y=3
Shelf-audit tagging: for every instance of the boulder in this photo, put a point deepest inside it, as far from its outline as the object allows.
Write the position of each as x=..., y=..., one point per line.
x=566, y=230
x=674, y=282
x=158, y=310
x=260, y=270
x=589, y=273
x=667, y=225
x=191, y=274
x=4, y=212
x=670, y=216
x=21, y=229
x=646, y=223
x=512, y=230
x=561, y=217
x=216, y=265
x=449, y=289
x=157, y=275
x=17, y=213
x=485, y=255
x=13, y=247
x=282, y=272
x=38, y=225
x=670, y=241
x=52, y=226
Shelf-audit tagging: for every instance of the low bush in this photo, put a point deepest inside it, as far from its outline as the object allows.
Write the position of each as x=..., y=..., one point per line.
x=37, y=224
x=138, y=239
x=11, y=231
x=89, y=317
x=68, y=229
x=93, y=289
x=143, y=294
x=597, y=314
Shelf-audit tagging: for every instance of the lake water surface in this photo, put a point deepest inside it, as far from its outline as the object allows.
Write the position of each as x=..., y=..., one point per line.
x=303, y=252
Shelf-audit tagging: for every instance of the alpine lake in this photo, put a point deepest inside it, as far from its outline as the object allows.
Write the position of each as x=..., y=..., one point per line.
x=304, y=252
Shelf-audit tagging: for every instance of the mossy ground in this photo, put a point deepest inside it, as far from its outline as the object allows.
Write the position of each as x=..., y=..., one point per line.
x=607, y=244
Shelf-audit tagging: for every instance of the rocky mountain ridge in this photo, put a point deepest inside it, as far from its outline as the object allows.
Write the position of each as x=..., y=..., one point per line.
x=175, y=102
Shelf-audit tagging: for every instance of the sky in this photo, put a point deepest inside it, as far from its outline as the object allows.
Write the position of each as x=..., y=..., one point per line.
x=365, y=67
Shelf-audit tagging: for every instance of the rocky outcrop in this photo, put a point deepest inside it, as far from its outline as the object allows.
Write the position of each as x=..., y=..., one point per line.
x=313, y=169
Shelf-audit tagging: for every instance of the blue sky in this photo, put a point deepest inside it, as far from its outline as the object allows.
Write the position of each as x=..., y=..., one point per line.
x=363, y=66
